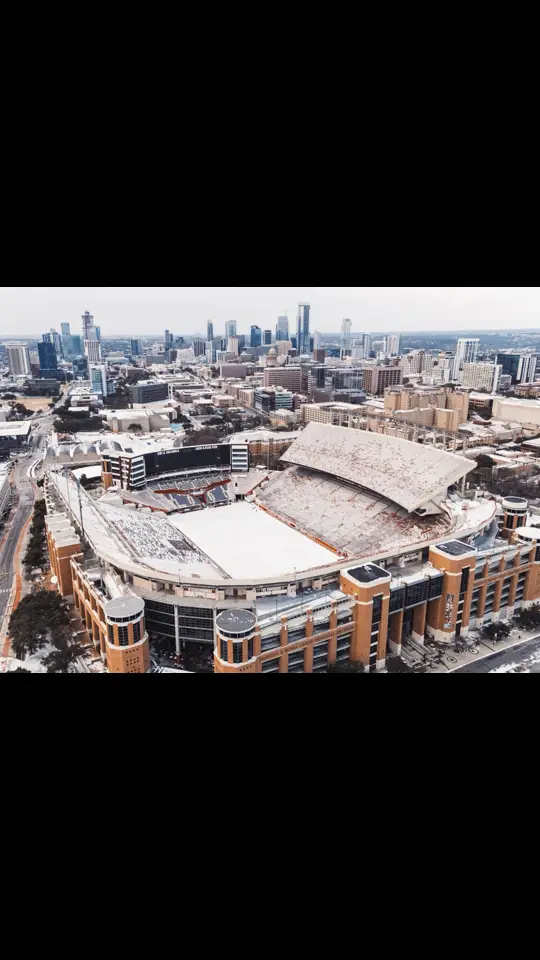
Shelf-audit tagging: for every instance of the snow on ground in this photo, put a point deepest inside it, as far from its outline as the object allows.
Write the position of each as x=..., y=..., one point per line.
x=247, y=542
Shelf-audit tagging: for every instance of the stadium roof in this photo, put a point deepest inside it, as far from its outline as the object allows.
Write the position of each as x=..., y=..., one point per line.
x=409, y=474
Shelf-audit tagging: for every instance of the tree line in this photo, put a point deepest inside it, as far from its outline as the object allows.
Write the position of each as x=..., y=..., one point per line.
x=35, y=555
x=41, y=619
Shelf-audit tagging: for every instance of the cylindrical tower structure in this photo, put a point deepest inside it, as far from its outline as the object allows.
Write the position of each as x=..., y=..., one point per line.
x=236, y=638
x=127, y=640
x=515, y=515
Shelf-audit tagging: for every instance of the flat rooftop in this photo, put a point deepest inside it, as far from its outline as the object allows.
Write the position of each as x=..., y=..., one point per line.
x=454, y=548
x=15, y=428
x=368, y=573
x=406, y=473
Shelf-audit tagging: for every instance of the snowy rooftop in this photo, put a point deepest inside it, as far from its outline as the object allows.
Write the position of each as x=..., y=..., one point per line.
x=15, y=428
x=406, y=473
x=255, y=436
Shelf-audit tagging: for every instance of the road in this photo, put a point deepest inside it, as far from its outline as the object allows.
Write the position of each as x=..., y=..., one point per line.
x=516, y=655
x=25, y=490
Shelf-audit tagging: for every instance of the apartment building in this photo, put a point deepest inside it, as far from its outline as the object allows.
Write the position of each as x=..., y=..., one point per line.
x=481, y=376
x=18, y=359
x=407, y=399
x=378, y=377
x=148, y=391
x=338, y=414
x=267, y=399
x=287, y=376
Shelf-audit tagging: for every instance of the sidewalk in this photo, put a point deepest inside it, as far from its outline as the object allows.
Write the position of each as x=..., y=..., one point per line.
x=484, y=648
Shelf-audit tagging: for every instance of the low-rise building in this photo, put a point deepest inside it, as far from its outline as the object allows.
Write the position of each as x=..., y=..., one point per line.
x=526, y=412
x=337, y=414
x=5, y=487
x=147, y=391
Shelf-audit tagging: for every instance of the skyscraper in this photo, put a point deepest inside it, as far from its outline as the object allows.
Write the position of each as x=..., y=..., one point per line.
x=346, y=335
x=391, y=344
x=209, y=331
x=66, y=332
x=87, y=322
x=168, y=339
x=302, y=328
x=48, y=360
x=521, y=367
x=232, y=345
x=135, y=348
x=57, y=340
x=92, y=349
x=466, y=352
x=199, y=346
x=267, y=338
x=482, y=376
x=98, y=377
x=282, y=329
x=256, y=337
x=230, y=329
x=18, y=359
x=77, y=345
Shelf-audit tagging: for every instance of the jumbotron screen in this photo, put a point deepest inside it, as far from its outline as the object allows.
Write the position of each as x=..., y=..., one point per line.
x=188, y=458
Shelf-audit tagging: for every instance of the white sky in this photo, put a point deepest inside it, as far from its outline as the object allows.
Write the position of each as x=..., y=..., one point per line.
x=139, y=310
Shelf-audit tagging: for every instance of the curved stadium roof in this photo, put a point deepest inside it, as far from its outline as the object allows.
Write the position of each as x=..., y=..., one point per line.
x=410, y=474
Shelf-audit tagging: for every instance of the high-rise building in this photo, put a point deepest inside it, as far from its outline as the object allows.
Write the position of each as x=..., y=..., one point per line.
x=316, y=340
x=481, y=376
x=18, y=359
x=56, y=339
x=98, y=377
x=346, y=326
x=302, y=328
x=287, y=376
x=135, y=348
x=519, y=365
x=92, y=349
x=466, y=352
x=267, y=338
x=98, y=333
x=282, y=328
x=48, y=360
x=93, y=333
x=199, y=346
x=169, y=338
x=209, y=331
x=67, y=340
x=256, y=337
x=230, y=329
x=232, y=345
x=77, y=345
x=241, y=342
x=391, y=344
x=87, y=322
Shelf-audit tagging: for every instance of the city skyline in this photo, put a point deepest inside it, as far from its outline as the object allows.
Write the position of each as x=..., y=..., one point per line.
x=128, y=311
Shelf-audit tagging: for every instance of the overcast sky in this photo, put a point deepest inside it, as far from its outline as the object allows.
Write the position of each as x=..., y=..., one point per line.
x=139, y=310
